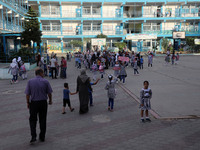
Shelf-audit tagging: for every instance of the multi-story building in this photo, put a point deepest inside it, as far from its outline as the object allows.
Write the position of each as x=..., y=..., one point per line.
x=12, y=14
x=141, y=23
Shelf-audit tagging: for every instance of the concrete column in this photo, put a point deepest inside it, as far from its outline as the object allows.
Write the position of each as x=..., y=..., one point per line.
x=160, y=44
x=62, y=45
x=4, y=44
x=199, y=27
x=142, y=11
x=61, y=27
x=6, y=18
x=2, y=18
x=39, y=7
x=60, y=9
x=142, y=27
x=11, y=21
x=102, y=10
x=181, y=11
x=161, y=27
x=122, y=10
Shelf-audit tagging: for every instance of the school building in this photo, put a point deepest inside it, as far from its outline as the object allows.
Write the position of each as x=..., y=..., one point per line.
x=140, y=23
x=12, y=14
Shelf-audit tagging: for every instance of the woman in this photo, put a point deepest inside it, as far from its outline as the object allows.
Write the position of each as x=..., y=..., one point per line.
x=122, y=74
x=83, y=84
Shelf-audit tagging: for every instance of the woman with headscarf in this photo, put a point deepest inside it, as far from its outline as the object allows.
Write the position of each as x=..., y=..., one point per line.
x=14, y=71
x=83, y=84
x=20, y=62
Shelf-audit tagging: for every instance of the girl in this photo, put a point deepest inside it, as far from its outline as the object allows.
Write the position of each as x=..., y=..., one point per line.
x=136, y=67
x=110, y=86
x=101, y=70
x=122, y=73
x=145, y=105
x=116, y=69
x=23, y=71
x=14, y=71
x=150, y=59
x=94, y=70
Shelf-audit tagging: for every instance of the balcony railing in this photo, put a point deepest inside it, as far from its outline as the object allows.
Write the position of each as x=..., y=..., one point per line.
x=10, y=27
x=16, y=6
x=129, y=14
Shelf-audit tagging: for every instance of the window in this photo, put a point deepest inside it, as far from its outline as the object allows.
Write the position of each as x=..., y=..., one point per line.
x=86, y=10
x=67, y=28
x=146, y=43
x=86, y=27
x=107, y=27
x=55, y=10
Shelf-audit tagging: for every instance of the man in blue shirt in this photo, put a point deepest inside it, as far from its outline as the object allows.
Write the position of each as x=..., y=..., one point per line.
x=36, y=92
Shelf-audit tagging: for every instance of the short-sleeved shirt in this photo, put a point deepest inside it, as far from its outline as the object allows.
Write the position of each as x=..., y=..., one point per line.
x=89, y=88
x=66, y=94
x=53, y=61
x=38, y=88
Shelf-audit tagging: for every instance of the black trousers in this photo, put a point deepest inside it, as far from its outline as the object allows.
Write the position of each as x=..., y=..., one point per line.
x=38, y=109
x=52, y=70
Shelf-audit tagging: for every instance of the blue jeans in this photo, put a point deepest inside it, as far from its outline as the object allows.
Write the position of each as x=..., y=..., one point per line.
x=14, y=78
x=91, y=98
x=122, y=77
x=111, y=103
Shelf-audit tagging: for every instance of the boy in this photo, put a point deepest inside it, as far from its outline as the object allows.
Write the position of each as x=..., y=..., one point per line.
x=66, y=99
x=145, y=105
x=141, y=62
x=90, y=92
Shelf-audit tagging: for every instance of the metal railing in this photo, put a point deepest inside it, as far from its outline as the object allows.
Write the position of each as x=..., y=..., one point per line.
x=10, y=26
x=129, y=14
x=16, y=6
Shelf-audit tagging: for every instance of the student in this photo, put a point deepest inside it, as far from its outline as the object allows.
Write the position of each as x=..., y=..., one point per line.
x=90, y=92
x=94, y=70
x=66, y=99
x=150, y=59
x=141, y=62
x=45, y=68
x=116, y=69
x=23, y=71
x=14, y=71
x=101, y=70
x=145, y=105
x=110, y=86
x=122, y=73
x=136, y=67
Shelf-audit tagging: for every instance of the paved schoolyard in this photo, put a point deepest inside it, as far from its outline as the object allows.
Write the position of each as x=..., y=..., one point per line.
x=99, y=129
x=175, y=88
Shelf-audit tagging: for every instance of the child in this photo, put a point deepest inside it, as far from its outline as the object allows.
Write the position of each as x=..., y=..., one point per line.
x=176, y=59
x=116, y=69
x=135, y=67
x=90, y=92
x=150, y=60
x=145, y=105
x=110, y=86
x=101, y=70
x=122, y=73
x=23, y=71
x=94, y=70
x=14, y=71
x=45, y=68
x=141, y=62
x=66, y=99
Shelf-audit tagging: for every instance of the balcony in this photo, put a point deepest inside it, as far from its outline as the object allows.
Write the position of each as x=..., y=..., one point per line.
x=129, y=14
x=16, y=6
x=51, y=30
x=112, y=14
x=95, y=13
x=10, y=27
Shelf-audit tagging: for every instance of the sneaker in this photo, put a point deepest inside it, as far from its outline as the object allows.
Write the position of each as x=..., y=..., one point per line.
x=33, y=140
x=142, y=120
x=72, y=109
x=16, y=82
x=148, y=120
x=111, y=110
x=11, y=82
x=108, y=108
x=63, y=112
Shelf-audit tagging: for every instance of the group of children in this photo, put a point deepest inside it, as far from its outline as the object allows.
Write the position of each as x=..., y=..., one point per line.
x=17, y=68
x=145, y=96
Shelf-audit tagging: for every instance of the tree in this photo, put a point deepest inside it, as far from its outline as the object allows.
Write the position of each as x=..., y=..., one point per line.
x=120, y=45
x=190, y=41
x=101, y=36
x=32, y=29
x=165, y=44
x=76, y=43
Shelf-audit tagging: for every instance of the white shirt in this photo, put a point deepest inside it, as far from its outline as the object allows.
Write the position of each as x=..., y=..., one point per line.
x=53, y=61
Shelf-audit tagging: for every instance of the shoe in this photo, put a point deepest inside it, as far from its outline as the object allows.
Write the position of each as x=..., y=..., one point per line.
x=11, y=82
x=148, y=120
x=108, y=108
x=42, y=140
x=91, y=105
x=142, y=120
x=111, y=110
x=63, y=112
x=72, y=109
x=33, y=140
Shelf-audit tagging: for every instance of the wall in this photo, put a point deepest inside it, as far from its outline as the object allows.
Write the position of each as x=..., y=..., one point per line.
x=109, y=10
x=69, y=10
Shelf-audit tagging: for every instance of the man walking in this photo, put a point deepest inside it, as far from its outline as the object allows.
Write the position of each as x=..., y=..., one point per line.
x=36, y=92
